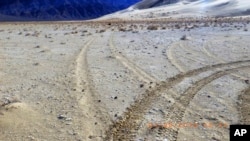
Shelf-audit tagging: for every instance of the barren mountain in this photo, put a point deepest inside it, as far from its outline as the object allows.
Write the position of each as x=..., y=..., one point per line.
x=185, y=8
x=59, y=9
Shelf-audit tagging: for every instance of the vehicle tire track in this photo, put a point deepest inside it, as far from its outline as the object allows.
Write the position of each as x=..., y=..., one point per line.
x=169, y=56
x=142, y=75
x=244, y=106
x=94, y=112
x=187, y=49
x=125, y=128
x=177, y=110
x=207, y=53
x=81, y=70
x=172, y=59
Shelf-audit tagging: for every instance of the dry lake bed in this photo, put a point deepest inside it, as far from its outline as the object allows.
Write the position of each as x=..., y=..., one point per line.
x=79, y=81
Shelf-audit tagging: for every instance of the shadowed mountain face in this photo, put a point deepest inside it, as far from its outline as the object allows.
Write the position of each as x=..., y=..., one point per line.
x=59, y=9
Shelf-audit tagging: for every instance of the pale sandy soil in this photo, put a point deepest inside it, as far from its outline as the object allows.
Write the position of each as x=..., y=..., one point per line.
x=68, y=81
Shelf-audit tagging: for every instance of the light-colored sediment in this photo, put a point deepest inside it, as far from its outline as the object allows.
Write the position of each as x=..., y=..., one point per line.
x=81, y=81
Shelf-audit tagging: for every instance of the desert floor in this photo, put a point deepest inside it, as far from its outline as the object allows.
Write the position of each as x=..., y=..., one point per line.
x=77, y=81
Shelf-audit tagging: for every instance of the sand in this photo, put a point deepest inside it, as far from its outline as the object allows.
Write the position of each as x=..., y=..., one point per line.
x=114, y=81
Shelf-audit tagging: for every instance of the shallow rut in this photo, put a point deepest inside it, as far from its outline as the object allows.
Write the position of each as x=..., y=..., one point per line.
x=125, y=128
x=244, y=106
x=177, y=110
x=142, y=75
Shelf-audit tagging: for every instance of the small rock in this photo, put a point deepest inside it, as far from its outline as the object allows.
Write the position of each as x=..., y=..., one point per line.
x=61, y=117
x=90, y=137
x=184, y=37
x=247, y=81
x=215, y=139
x=36, y=64
x=141, y=85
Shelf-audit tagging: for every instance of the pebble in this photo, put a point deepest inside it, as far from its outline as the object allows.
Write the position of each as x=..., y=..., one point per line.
x=141, y=85
x=61, y=117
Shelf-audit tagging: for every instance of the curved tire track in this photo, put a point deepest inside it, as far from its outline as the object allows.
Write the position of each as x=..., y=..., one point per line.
x=86, y=96
x=82, y=68
x=172, y=59
x=142, y=75
x=177, y=110
x=126, y=128
x=244, y=106
x=209, y=54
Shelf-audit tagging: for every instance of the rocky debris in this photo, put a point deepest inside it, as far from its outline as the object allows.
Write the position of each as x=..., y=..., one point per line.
x=141, y=85
x=36, y=64
x=184, y=37
x=64, y=117
x=152, y=27
x=61, y=116
x=8, y=100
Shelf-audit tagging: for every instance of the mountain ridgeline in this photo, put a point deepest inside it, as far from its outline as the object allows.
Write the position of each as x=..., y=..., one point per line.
x=43, y=10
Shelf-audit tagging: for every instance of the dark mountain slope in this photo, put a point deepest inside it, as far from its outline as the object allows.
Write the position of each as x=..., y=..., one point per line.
x=60, y=9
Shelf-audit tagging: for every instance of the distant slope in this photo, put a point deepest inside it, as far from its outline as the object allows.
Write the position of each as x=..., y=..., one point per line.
x=184, y=8
x=153, y=3
x=60, y=9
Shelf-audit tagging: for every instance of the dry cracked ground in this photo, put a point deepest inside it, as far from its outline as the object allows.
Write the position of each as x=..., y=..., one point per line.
x=103, y=81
